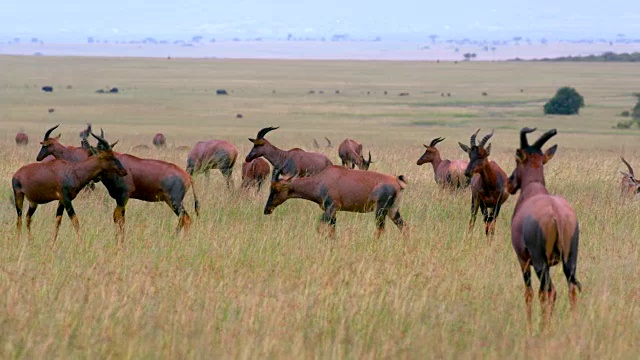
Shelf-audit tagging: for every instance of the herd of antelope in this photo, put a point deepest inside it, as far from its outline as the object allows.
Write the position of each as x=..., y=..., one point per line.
x=544, y=227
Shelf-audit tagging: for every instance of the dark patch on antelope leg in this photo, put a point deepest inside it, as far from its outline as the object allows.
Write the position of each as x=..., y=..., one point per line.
x=18, y=200
x=569, y=267
x=386, y=195
x=227, y=172
x=330, y=209
x=176, y=190
x=59, y=213
x=32, y=209
x=475, y=205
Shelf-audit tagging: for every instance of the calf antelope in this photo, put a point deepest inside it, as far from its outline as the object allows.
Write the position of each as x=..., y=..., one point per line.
x=448, y=173
x=350, y=152
x=294, y=162
x=60, y=180
x=488, y=187
x=544, y=227
x=628, y=184
x=254, y=173
x=213, y=154
x=337, y=188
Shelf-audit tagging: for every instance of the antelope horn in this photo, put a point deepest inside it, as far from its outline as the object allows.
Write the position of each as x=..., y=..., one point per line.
x=264, y=131
x=524, y=143
x=436, y=141
x=369, y=161
x=628, y=167
x=101, y=140
x=46, y=135
x=543, y=139
x=101, y=133
x=486, y=138
x=473, y=138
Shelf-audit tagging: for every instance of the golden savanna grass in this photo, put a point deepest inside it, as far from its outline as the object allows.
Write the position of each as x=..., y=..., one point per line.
x=245, y=285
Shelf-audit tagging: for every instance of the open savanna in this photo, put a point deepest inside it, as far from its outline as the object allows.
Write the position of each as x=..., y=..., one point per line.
x=244, y=285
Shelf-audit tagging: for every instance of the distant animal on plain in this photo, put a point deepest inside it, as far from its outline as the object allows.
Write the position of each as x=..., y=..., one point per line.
x=629, y=185
x=159, y=141
x=47, y=88
x=141, y=147
x=22, y=139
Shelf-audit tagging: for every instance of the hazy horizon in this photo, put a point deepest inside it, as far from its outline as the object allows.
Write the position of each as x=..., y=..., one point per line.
x=125, y=20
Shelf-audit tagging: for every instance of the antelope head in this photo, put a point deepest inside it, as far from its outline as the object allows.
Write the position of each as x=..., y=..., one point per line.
x=366, y=163
x=258, y=144
x=431, y=152
x=47, y=144
x=478, y=153
x=529, y=160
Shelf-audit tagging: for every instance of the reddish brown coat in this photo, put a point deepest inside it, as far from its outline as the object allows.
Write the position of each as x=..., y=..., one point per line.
x=448, y=173
x=22, y=138
x=337, y=188
x=213, y=154
x=544, y=227
x=629, y=185
x=294, y=162
x=254, y=173
x=350, y=152
x=51, y=146
x=159, y=140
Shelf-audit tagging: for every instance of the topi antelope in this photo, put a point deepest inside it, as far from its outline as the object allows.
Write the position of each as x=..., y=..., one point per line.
x=337, y=188
x=628, y=184
x=448, y=173
x=254, y=173
x=60, y=180
x=22, y=138
x=488, y=187
x=350, y=152
x=544, y=227
x=294, y=162
x=213, y=154
x=159, y=141
x=51, y=146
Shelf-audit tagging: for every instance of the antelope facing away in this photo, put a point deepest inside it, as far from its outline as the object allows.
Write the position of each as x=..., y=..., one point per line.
x=488, y=187
x=294, y=162
x=22, y=138
x=350, y=152
x=448, y=173
x=254, y=173
x=628, y=184
x=159, y=141
x=544, y=227
x=213, y=154
x=337, y=188
x=60, y=180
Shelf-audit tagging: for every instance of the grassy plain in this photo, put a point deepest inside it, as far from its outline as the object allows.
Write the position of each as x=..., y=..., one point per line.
x=245, y=285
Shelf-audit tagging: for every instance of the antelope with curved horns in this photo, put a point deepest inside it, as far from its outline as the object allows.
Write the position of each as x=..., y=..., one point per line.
x=448, y=173
x=293, y=162
x=350, y=152
x=337, y=188
x=51, y=146
x=213, y=154
x=61, y=180
x=628, y=184
x=488, y=187
x=152, y=181
x=544, y=227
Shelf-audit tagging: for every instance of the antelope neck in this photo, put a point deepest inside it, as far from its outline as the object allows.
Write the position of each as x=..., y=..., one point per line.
x=276, y=156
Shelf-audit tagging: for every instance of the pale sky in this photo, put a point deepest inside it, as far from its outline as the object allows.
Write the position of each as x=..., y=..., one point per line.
x=171, y=19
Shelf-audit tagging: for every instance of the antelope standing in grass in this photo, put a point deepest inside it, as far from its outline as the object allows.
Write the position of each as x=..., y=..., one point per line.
x=60, y=180
x=544, y=227
x=448, y=173
x=152, y=181
x=488, y=187
x=254, y=173
x=159, y=141
x=337, y=188
x=350, y=152
x=213, y=154
x=52, y=147
x=22, y=138
x=294, y=162
x=628, y=184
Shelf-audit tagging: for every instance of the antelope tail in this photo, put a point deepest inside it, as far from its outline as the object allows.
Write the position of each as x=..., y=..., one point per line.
x=196, y=204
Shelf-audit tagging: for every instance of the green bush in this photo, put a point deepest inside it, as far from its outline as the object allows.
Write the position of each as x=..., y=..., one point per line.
x=567, y=101
x=635, y=113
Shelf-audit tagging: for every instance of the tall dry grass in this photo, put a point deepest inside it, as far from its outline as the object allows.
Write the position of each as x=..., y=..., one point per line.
x=245, y=285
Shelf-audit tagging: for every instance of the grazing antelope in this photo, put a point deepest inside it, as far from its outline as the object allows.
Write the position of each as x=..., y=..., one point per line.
x=544, y=227
x=337, y=188
x=21, y=138
x=254, y=173
x=213, y=154
x=448, y=173
x=183, y=148
x=141, y=147
x=152, y=181
x=350, y=152
x=628, y=184
x=294, y=162
x=159, y=141
x=60, y=180
x=489, y=187
x=51, y=146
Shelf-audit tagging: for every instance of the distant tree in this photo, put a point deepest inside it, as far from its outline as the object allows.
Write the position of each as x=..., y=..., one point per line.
x=517, y=39
x=90, y=40
x=543, y=41
x=567, y=101
x=289, y=37
x=16, y=40
x=34, y=40
x=196, y=38
x=212, y=40
x=469, y=56
x=433, y=37
x=635, y=113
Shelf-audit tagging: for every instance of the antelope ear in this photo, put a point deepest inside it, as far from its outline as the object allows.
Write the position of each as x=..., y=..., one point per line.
x=464, y=147
x=425, y=146
x=488, y=148
x=58, y=137
x=549, y=153
x=521, y=156
x=252, y=140
x=114, y=144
